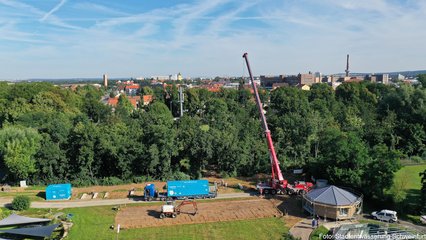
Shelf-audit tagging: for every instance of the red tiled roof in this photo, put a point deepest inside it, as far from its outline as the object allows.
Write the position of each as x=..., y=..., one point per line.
x=132, y=87
x=113, y=101
x=134, y=100
x=147, y=99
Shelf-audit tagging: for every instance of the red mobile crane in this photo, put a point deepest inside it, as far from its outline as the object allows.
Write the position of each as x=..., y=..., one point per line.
x=277, y=183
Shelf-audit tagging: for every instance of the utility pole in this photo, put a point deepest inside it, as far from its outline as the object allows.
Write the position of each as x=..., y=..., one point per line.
x=181, y=101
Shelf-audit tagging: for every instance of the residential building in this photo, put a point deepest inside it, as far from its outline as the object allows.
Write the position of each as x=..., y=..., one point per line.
x=278, y=85
x=292, y=80
x=132, y=90
x=134, y=100
x=268, y=81
x=306, y=79
x=305, y=87
x=379, y=78
x=147, y=99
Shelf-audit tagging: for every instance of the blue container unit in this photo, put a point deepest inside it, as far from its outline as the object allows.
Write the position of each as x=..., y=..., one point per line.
x=58, y=192
x=188, y=188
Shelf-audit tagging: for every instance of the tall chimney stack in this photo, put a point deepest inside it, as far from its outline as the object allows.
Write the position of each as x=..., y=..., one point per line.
x=347, y=65
x=105, y=77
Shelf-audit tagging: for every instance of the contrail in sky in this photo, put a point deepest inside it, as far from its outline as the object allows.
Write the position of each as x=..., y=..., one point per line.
x=56, y=8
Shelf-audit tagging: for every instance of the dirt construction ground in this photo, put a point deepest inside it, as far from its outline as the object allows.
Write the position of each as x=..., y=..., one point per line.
x=148, y=216
x=122, y=191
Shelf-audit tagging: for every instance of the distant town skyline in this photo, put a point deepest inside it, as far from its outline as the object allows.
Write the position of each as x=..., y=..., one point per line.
x=84, y=39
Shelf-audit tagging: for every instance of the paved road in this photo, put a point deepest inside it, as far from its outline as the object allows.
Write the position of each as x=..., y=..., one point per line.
x=302, y=229
x=104, y=202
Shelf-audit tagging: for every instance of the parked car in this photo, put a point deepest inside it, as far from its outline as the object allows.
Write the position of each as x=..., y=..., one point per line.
x=423, y=219
x=385, y=215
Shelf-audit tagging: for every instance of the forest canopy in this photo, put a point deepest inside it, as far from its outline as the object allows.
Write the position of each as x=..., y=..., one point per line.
x=354, y=135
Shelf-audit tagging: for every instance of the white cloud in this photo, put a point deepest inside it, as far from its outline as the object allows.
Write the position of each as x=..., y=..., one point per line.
x=201, y=39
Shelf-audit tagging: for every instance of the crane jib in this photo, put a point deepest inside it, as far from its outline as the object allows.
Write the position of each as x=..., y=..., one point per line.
x=276, y=171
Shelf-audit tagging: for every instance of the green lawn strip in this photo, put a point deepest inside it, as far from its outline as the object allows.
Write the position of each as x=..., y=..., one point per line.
x=91, y=222
x=410, y=174
x=34, y=196
x=95, y=222
x=318, y=233
x=266, y=228
x=413, y=184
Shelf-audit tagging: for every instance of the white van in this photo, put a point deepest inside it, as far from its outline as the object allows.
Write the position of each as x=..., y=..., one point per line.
x=423, y=219
x=385, y=215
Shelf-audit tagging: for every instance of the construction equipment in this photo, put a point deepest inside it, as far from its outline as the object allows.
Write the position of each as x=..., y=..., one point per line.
x=181, y=189
x=171, y=210
x=277, y=184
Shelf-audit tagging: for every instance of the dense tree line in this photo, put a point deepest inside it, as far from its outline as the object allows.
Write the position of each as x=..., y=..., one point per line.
x=353, y=136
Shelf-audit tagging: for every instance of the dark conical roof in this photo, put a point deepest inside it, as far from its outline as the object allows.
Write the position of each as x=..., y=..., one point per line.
x=332, y=195
x=15, y=219
x=43, y=231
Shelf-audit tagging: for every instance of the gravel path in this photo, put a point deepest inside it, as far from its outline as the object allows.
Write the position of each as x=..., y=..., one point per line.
x=104, y=202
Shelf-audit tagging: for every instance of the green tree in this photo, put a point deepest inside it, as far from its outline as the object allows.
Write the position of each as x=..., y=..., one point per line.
x=28, y=91
x=216, y=113
x=120, y=149
x=92, y=106
x=381, y=170
x=422, y=79
x=124, y=106
x=48, y=102
x=160, y=140
x=423, y=192
x=83, y=140
x=147, y=91
x=343, y=159
x=17, y=149
x=15, y=108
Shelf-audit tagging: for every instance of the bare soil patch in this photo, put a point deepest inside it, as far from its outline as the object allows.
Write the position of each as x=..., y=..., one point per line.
x=291, y=206
x=148, y=216
x=122, y=191
x=115, y=192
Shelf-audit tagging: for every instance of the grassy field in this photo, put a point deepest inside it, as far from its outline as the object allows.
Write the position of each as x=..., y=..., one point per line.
x=95, y=222
x=32, y=193
x=408, y=177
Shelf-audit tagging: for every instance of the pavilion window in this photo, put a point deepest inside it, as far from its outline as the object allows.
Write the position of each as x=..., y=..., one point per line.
x=343, y=211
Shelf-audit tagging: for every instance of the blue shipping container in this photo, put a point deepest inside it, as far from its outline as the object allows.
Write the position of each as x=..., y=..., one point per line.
x=58, y=191
x=187, y=188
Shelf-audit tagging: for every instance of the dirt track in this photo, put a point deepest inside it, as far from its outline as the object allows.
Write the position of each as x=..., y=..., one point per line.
x=140, y=217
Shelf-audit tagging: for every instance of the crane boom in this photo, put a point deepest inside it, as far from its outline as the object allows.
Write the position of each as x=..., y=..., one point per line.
x=276, y=171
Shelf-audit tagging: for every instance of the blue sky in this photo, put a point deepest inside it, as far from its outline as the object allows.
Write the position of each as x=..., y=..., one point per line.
x=133, y=38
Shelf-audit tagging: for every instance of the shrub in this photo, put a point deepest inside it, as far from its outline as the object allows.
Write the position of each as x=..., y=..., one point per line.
x=177, y=175
x=141, y=179
x=288, y=236
x=110, y=181
x=416, y=159
x=20, y=203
